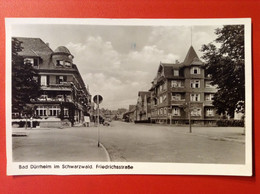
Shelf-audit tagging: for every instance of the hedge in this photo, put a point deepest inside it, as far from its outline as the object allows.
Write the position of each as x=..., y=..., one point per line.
x=230, y=123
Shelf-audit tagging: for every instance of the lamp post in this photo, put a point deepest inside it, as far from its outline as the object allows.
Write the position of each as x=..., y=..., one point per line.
x=188, y=110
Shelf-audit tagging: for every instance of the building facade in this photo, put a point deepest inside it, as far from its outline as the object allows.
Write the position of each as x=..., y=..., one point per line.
x=183, y=91
x=63, y=93
x=143, y=106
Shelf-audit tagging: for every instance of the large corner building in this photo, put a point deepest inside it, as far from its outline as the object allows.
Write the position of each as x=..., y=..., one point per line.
x=183, y=91
x=63, y=92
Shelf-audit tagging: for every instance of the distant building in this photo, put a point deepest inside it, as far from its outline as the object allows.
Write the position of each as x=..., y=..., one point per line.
x=181, y=89
x=143, y=107
x=130, y=115
x=63, y=92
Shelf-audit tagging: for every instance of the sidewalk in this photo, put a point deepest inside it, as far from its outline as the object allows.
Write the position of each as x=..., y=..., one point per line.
x=44, y=144
x=234, y=134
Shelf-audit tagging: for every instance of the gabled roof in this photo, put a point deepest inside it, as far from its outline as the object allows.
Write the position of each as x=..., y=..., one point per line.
x=192, y=58
x=33, y=47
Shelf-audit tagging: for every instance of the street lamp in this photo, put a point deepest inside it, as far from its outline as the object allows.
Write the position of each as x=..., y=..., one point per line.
x=188, y=110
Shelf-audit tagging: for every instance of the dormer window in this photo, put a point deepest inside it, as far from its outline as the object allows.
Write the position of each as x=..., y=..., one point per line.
x=195, y=70
x=59, y=63
x=176, y=72
x=31, y=61
x=60, y=79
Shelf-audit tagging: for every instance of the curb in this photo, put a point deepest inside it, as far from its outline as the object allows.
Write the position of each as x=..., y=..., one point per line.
x=107, y=154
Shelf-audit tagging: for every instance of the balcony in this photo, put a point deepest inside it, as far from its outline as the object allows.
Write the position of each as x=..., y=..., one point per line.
x=63, y=86
x=208, y=103
x=177, y=89
x=57, y=99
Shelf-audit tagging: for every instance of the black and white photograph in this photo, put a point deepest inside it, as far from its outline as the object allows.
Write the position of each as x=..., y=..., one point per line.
x=128, y=96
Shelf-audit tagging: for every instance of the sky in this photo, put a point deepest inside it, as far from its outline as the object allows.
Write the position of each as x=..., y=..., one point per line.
x=118, y=61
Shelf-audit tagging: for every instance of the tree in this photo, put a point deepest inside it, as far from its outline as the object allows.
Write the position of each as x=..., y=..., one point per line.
x=226, y=65
x=24, y=86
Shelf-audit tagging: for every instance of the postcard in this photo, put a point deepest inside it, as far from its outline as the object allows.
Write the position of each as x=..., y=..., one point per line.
x=128, y=96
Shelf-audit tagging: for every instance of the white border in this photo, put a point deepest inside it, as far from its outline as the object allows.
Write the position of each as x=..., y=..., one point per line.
x=138, y=168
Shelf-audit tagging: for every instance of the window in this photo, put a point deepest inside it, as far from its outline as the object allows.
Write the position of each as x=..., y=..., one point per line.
x=60, y=79
x=195, y=84
x=195, y=97
x=196, y=112
x=176, y=97
x=209, y=112
x=161, y=111
x=59, y=63
x=54, y=111
x=41, y=111
x=165, y=110
x=176, y=72
x=32, y=61
x=161, y=99
x=195, y=70
x=176, y=112
x=43, y=80
x=209, y=97
x=176, y=84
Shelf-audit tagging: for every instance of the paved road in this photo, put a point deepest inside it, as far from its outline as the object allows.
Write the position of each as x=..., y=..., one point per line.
x=155, y=143
x=140, y=143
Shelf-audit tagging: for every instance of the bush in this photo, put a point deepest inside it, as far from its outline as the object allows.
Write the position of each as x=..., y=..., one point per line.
x=143, y=121
x=22, y=124
x=230, y=123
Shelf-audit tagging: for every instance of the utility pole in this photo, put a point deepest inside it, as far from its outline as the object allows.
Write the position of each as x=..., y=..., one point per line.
x=98, y=118
x=190, y=118
x=98, y=99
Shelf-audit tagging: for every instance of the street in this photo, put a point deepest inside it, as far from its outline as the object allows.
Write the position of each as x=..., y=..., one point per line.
x=133, y=143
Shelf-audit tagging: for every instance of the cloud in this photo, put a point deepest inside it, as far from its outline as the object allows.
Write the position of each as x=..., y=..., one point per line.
x=118, y=75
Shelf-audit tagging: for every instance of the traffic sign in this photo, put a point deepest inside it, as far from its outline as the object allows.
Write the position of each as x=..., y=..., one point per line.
x=98, y=99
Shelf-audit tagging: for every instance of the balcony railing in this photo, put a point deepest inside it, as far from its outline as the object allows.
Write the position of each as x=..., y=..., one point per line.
x=60, y=86
x=55, y=99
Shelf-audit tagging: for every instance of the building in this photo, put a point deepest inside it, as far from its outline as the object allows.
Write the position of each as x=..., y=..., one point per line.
x=130, y=115
x=63, y=92
x=143, y=106
x=183, y=90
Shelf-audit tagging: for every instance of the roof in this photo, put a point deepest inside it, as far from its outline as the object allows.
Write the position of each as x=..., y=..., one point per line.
x=192, y=58
x=168, y=69
x=62, y=49
x=33, y=47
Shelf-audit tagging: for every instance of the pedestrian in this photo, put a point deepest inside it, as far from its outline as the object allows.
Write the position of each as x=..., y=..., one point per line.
x=86, y=121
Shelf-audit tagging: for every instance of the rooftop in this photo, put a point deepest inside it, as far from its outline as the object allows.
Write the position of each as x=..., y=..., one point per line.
x=33, y=47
